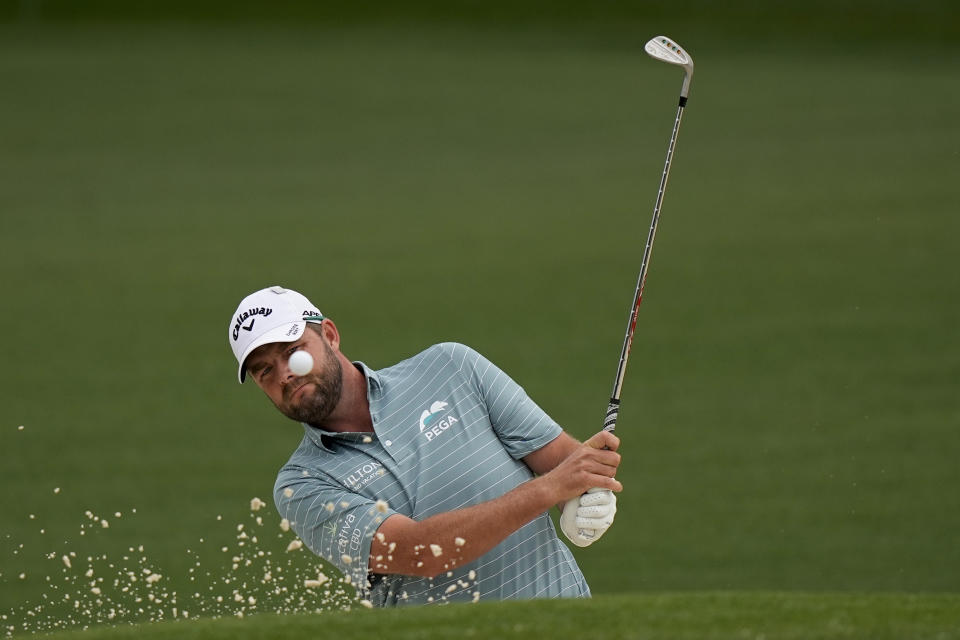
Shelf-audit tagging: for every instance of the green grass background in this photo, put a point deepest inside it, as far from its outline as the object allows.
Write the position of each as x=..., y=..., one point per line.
x=625, y=617
x=485, y=173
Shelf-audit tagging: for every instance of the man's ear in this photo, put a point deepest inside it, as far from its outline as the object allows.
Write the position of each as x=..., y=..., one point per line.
x=330, y=333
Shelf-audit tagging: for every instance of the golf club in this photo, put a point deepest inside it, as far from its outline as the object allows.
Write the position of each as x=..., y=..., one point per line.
x=664, y=49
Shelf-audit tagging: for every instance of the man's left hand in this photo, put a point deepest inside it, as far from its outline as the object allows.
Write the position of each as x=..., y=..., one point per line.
x=587, y=517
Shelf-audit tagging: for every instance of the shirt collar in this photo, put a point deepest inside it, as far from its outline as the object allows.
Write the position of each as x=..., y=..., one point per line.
x=374, y=382
x=321, y=437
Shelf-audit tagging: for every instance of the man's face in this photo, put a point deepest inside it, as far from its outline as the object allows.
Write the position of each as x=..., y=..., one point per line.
x=310, y=398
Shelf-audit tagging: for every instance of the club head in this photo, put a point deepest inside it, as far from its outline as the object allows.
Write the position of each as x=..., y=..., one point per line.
x=665, y=49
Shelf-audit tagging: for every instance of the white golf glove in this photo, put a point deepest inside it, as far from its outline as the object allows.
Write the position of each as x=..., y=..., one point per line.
x=587, y=517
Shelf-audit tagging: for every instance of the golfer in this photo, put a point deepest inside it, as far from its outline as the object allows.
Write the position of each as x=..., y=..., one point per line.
x=428, y=481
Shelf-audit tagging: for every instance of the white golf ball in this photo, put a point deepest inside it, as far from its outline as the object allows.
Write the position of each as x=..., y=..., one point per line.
x=301, y=363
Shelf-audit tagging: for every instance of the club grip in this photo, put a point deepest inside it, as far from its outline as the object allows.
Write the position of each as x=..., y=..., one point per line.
x=613, y=410
x=609, y=424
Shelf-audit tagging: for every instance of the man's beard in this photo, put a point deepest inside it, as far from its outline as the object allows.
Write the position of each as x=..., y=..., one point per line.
x=315, y=406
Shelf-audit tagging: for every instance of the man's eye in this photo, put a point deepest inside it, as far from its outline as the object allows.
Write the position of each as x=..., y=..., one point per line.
x=264, y=372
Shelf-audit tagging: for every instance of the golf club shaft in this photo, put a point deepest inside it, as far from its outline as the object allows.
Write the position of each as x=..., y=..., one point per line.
x=613, y=409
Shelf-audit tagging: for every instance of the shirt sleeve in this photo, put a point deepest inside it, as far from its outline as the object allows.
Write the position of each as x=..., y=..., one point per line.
x=521, y=425
x=334, y=523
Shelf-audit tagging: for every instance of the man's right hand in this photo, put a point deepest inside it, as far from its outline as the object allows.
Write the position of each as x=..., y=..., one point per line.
x=591, y=465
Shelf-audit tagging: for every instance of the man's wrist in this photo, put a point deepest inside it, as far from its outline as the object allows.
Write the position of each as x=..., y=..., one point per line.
x=543, y=493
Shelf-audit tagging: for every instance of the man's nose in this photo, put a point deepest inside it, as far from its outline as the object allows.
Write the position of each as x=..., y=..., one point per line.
x=286, y=375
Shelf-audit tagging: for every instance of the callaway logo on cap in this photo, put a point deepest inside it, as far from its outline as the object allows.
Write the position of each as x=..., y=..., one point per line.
x=270, y=315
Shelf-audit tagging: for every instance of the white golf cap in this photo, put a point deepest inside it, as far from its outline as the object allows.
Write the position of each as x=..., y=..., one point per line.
x=270, y=315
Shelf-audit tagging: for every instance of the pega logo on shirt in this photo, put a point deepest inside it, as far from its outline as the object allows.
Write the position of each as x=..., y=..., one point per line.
x=436, y=420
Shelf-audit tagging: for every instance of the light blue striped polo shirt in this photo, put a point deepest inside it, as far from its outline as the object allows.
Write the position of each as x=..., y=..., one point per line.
x=451, y=430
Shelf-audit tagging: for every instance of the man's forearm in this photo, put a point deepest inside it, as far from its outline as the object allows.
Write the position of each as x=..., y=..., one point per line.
x=453, y=538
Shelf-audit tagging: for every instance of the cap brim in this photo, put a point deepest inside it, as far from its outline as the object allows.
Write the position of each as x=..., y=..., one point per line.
x=287, y=332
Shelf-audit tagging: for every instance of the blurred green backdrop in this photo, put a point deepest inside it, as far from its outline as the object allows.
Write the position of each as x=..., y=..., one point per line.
x=484, y=172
